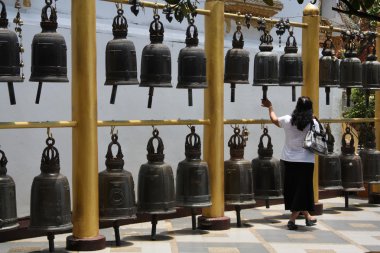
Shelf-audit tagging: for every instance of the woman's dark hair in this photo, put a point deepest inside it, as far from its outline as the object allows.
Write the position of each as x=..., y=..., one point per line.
x=303, y=113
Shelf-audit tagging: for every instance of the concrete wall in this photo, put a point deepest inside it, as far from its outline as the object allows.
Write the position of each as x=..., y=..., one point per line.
x=24, y=147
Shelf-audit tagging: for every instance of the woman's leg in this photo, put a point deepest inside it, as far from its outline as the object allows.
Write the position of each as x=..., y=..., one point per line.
x=308, y=216
x=294, y=216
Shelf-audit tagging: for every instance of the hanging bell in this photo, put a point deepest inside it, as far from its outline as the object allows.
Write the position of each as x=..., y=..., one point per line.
x=290, y=66
x=191, y=64
x=330, y=176
x=370, y=157
x=350, y=66
x=8, y=211
x=116, y=187
x=10, y=55
x=351, y=164
x=121, y=66
x=266, y=171
x=50, y=207
x=329, y=70
x=49, y=63
x=155, y=60
x=236, y=66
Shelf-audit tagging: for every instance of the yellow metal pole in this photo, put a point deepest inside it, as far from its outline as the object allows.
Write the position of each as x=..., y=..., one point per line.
x=85, y=216
x=377, y=94
x=213, y=149
x=310, y=58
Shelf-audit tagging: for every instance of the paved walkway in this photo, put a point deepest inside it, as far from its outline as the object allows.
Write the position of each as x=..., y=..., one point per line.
x=356, y=229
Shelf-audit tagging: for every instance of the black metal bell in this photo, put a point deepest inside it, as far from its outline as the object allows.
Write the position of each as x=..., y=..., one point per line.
x=156, y=62
x=329, y=68
x=351, y=164
x=116, y=187
x=191, y=64
x=265, y=69
x=50, y=206
x=330, y=176
x=10, y=55
x=290, y=66
x=49, y=59
x=8, y=210
x=370, y=157
x=236, y=68
x=350, y=66
x=121, y=62
x=267, y=175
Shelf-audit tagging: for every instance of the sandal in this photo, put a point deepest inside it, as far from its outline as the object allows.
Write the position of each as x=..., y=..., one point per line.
x=310, y=223
x=292, y=225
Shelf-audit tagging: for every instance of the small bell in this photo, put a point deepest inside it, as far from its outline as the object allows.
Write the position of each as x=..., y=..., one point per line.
x=191, y=64
x=49, y=63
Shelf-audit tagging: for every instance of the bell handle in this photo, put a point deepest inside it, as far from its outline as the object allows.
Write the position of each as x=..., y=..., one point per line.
x=114, y=141
x=160, y=145
x=265, y=134
x=3, y=160
x=3, y=14
x=191, y=136
x=53, y=13
x=348, y=132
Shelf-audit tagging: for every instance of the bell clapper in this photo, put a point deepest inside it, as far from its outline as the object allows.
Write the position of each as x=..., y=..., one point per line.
x=38, y=92
x=327, y=91
x=51, y=237
x=193, y=219
x=151, y=90
x=233, y=87
x=190, y=96
x=348, y=93
x=238, y=218
x=265, y=90
x=113, y=94
x=117, y=232
x=346, y=199
x=154, y=226
x=267, y=205
x=293, y=93
x=11, y=91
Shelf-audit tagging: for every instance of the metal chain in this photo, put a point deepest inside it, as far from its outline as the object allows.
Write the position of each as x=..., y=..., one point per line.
x=19, y=23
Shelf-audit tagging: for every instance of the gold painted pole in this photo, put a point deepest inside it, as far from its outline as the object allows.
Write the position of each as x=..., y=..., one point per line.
x=377, y=94
x=85, y=216
x=310, y=58
x=213, y=150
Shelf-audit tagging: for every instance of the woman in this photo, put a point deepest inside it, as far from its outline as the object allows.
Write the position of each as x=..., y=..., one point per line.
x=298, y=162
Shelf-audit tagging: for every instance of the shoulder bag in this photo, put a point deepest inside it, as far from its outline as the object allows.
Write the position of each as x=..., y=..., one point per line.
x=315, y=141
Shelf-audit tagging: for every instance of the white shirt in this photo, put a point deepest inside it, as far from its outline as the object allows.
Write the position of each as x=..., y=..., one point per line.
x=293, y=150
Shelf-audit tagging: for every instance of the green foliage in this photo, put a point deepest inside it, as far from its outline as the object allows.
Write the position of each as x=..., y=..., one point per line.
x=181, y=9
x=358, y=108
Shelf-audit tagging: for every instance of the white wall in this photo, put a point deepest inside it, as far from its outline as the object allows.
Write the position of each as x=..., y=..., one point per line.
x=24, y=147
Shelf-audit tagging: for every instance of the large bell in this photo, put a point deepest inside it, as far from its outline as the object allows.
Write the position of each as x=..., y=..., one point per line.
x=266, y=171
x=236, y=66
x=116, y=187
x=8, y=211
x=370, y=157
x=330, y=176
x=50, y=206
x=265, y=67
x=10, y=55
x=156, y=65
x=351, y=164
x=290, y=66
x=49, y=63
x=191, y=64
x=329, y=68
x=350, y=66
x=121, y=66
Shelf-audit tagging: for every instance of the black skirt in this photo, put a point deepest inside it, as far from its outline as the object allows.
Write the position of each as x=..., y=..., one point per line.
x=298, y=186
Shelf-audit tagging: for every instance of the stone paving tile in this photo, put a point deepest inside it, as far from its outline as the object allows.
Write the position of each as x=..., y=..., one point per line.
x=314, y=248
x=356, y=225
x=186, y=247
x=362, y=238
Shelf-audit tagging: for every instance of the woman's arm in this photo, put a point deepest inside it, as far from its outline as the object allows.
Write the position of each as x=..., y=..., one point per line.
x=272, y=115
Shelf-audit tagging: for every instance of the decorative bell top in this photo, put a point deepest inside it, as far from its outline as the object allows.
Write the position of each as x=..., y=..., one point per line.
x=156, y=30
x=328, y=46
x=237, y=144
x=266, y=39
x=330, y=139
x=371, y=46
x=3, y=164
x=120, y=25
x=50, y=158
x=152, y=155
x=192, y=40
x=348, y=148
x=114, y=163
x=350, y=45
x=193, y=145
x=370, y=138
x=3, y=16
x=291, y=47
x=49, y=24
x=266, y=152
x=238, y=43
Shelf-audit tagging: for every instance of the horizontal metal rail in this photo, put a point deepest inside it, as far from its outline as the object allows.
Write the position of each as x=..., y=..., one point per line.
x=39, y=124
x=167, y=122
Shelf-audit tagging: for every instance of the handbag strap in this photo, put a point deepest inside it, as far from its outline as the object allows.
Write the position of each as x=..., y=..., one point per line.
x=321, y=129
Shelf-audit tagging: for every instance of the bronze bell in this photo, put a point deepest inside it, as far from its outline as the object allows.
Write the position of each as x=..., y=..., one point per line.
x=370, y=157
x=50, y=206
x=156, y=193
x=351, y=164
x=192, y=181
x=350, y=66
x=10, y=55
x=265, y=67
x=238, y=182
x=155, y=60
x=236, y=66
x=329, y=68
x=121, y=66
x=191, y=64
x=116, y=187
x=267, y=175
x=49, y=63
x=8, y=211
x=290, y=66
x=330, y=176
